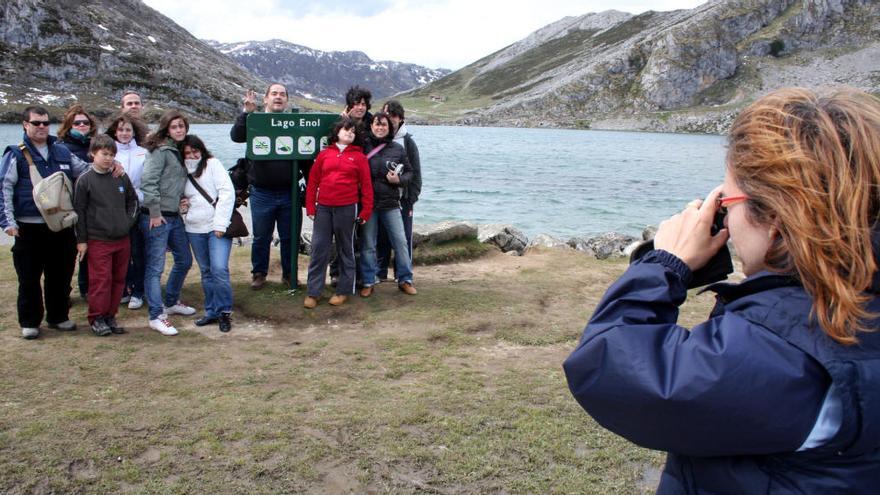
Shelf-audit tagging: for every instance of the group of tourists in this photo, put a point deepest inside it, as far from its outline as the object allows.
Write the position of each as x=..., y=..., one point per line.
x=138, y=194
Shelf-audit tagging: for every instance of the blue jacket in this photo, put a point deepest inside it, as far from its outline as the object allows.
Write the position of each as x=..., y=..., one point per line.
x=734, y=399
x=16, y=178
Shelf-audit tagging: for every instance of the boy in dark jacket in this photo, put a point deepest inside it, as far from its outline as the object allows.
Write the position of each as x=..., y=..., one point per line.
x=107, y=207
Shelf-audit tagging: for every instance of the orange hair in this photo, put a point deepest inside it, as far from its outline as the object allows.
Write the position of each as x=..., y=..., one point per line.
x=811, y=165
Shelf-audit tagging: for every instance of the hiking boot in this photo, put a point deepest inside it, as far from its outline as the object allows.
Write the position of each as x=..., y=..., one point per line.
x=114, y=326
x=135, y=302
x=338, y=300
x=180, y=309
x=163, y=326
x=366, y=291
x=407, y=288
x=100, y=327
x=310, y=302
x=30, y=333
x=258, y=281
x=225, y=322
x=206, y=320
x=64, y=326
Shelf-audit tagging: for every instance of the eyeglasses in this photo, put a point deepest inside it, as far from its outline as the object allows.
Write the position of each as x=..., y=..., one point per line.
x=729, y=200
x=38, y=123
x=81, y=122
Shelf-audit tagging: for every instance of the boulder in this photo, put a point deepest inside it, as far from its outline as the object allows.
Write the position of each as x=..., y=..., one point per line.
x=442, y=232
x=506, y=237
x=581, y=244
x=547, y=241
x=610, y=244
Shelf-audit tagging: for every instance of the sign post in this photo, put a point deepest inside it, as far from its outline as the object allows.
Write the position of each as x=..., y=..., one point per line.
x=289, y=136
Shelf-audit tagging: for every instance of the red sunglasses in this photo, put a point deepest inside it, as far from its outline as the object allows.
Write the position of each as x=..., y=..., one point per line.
x=729, y=200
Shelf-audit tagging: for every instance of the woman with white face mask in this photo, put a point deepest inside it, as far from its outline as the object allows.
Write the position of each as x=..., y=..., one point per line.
x=210, y=198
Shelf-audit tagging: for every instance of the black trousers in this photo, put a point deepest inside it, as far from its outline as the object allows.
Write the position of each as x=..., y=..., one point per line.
x=333, y=223
x=40, y=253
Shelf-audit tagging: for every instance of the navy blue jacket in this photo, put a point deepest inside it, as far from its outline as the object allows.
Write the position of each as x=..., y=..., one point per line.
x=21, y=203
x=733, y=399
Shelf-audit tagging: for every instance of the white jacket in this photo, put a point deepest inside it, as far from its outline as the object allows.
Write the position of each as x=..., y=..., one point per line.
x=202, y=217
x=132, y=157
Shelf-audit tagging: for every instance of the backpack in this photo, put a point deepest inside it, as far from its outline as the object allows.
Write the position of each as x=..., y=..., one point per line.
x=53, y=196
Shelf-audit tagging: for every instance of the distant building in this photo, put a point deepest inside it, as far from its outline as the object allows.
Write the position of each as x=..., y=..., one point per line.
x=437, y=99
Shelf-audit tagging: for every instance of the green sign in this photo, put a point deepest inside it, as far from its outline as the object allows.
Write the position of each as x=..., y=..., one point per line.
x=287, y=136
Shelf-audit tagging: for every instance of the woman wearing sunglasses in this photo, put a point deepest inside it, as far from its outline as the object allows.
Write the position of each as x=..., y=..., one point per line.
x=779, y=390
x=75, y=133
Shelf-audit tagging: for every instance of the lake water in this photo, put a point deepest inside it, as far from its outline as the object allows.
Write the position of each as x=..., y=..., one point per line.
x=559, y=182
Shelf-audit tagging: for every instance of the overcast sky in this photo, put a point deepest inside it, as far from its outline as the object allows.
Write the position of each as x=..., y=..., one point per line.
x=433, y=33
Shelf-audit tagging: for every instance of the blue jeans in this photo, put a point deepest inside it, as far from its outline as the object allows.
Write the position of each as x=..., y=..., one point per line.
x=269, y=208
x=393, y=223
x=212, y=254
x=169, y=235
x=383, y=245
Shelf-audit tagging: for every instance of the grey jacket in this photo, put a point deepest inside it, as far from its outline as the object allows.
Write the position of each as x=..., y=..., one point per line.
x=163, y=180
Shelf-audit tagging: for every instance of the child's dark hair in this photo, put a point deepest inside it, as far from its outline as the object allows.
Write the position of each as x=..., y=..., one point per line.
x=343, y=123
x=356, y=94
x=102, y=142
x=195, y=142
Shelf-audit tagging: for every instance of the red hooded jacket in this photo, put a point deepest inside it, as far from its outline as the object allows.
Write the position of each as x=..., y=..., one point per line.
x=340, y=178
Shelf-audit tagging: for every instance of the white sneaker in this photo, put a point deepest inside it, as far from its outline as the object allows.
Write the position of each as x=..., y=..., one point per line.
x=135, y=303
x=30, y=332
x=163, y=326
x=180, y=309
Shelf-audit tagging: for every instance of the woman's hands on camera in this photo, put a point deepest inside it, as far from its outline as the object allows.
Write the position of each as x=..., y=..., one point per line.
x=688, y=234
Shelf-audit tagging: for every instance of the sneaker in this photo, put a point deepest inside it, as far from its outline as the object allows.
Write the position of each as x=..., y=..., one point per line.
x=258, y=281
x=135, y=303
x=114, y=326
x=367, y=291
x=30, y=333
x=407, y=288
x=180, y=309
x=100, y=327
x=225, y=322
x=163, y=326
x=338, y=300
x=125, y=299
x=206, y=320
x=64, y=326
x=310, y=302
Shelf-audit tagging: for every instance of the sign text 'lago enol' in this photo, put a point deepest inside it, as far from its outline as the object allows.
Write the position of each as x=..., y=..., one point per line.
x=287, y=136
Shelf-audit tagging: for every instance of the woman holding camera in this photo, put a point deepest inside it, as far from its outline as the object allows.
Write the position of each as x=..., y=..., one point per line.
x=779, y=390
x=390, y=172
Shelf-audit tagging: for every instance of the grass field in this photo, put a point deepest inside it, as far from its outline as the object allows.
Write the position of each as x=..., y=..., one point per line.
x=456, y=390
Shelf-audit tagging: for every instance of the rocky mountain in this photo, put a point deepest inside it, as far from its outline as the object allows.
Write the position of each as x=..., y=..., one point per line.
x=326, y=76
x=685, y=70
x=57, y=52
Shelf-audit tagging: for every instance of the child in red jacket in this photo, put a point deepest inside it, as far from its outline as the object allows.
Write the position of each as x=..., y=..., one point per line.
x=338, y=197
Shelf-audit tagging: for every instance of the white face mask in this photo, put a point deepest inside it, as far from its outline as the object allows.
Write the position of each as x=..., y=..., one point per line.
x=192, y=165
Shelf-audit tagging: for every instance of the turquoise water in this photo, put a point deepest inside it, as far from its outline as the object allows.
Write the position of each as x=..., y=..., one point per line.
x=558, y=182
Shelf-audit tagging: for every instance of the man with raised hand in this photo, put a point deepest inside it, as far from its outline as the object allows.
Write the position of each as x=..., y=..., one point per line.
x=38, y=252
x=270, y=183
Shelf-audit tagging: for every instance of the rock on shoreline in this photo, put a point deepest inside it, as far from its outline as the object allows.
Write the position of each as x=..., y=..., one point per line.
x=507, y=238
